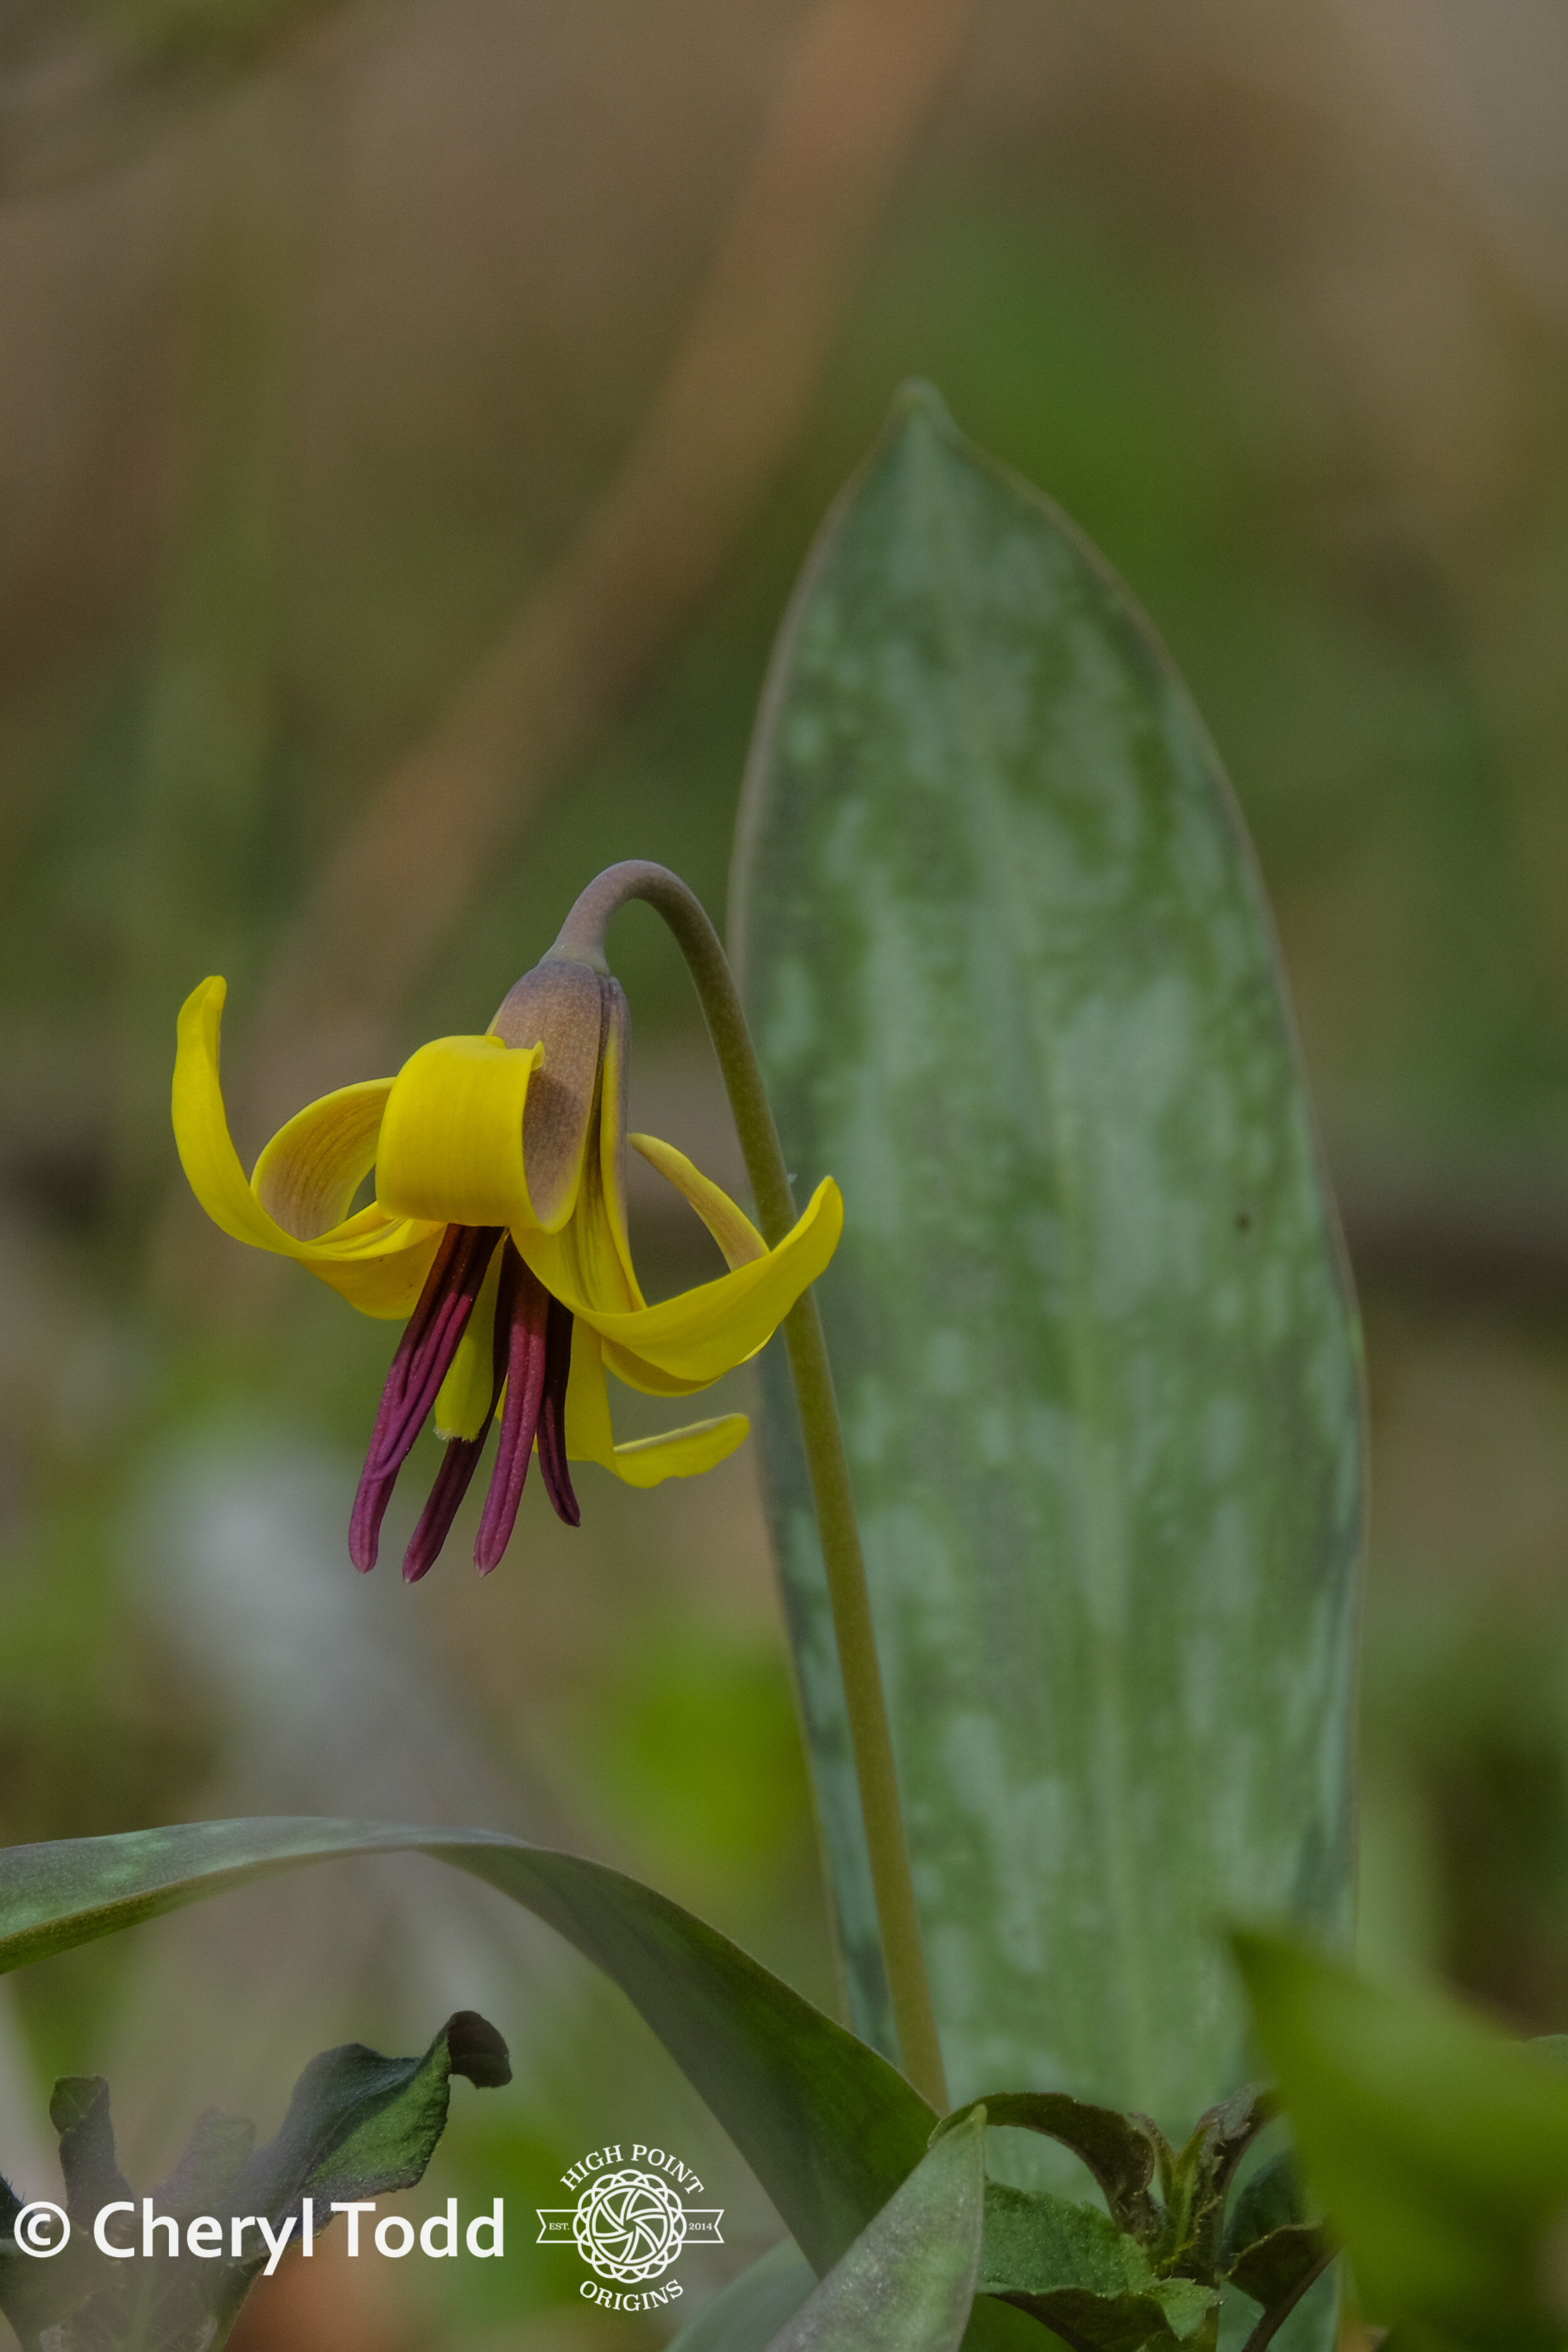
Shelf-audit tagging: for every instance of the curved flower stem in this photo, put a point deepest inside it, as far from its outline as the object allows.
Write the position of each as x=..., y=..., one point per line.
x=582, y=940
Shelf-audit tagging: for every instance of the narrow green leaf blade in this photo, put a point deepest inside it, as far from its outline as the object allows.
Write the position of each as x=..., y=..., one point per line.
x=1439, y=2147
x=753, y=2308
x=1013, y=982
x=828, y=2126
x=907, y=2282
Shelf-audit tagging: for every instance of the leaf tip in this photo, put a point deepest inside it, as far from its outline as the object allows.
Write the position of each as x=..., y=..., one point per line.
x=917, y=402
x=474, y=2048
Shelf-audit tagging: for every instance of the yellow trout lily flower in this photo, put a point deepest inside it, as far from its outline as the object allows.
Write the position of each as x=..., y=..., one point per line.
x=498, y=1228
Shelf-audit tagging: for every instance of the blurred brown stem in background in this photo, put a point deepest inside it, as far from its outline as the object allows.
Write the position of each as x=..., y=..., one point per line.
x=852, y=101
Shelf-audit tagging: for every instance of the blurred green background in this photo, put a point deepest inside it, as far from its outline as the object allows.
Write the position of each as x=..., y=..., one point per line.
x=412, y=419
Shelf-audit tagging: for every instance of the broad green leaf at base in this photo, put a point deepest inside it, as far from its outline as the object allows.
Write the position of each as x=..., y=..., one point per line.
x=829, y=2127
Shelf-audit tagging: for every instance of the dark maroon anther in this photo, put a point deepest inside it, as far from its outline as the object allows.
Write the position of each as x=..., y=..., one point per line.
x=526, y=1362
x=553, y=1467
x=423, y=1359
x=459, y=1459
x=365, y=1518
x=425, y=1353
x=461, y=1455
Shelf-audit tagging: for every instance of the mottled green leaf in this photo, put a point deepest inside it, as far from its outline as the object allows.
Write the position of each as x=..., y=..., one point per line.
x=1013, y=982
x=1439, y=2147
x=907, y=2282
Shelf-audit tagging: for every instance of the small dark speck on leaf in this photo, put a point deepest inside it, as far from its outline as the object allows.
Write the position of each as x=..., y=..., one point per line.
x=1243, y=1221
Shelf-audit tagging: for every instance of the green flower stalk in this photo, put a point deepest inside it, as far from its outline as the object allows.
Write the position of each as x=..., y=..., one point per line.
x=583, y=937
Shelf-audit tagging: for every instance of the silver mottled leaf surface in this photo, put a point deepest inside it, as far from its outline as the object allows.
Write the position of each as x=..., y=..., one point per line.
x=1013, y=982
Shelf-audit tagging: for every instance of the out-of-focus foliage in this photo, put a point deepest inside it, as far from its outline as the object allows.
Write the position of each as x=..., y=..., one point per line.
x=308, y=381
x=1439, y=2147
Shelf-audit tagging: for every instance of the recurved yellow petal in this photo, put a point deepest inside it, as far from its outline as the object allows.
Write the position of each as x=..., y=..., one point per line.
x=452, y=1135
x=643, y=1461
x=309, y=1172
x=731, y=1228
x=378, y=1262
x=202, y=1131
x=705, y=1331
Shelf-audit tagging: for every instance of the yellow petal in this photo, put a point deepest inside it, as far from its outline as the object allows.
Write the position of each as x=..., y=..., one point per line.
x=588, y=1259
x=680, y=1453
x=378, y=1262
x=731, y=1228
x=643, y=1461
x=201, y=1130
x=311, y=1169
x=705, y=1331
x=611, y=1202
x=589, y=1434
x=451, y=1134
x=388, y=1286
x=647, y=1377
x=462, y=1400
